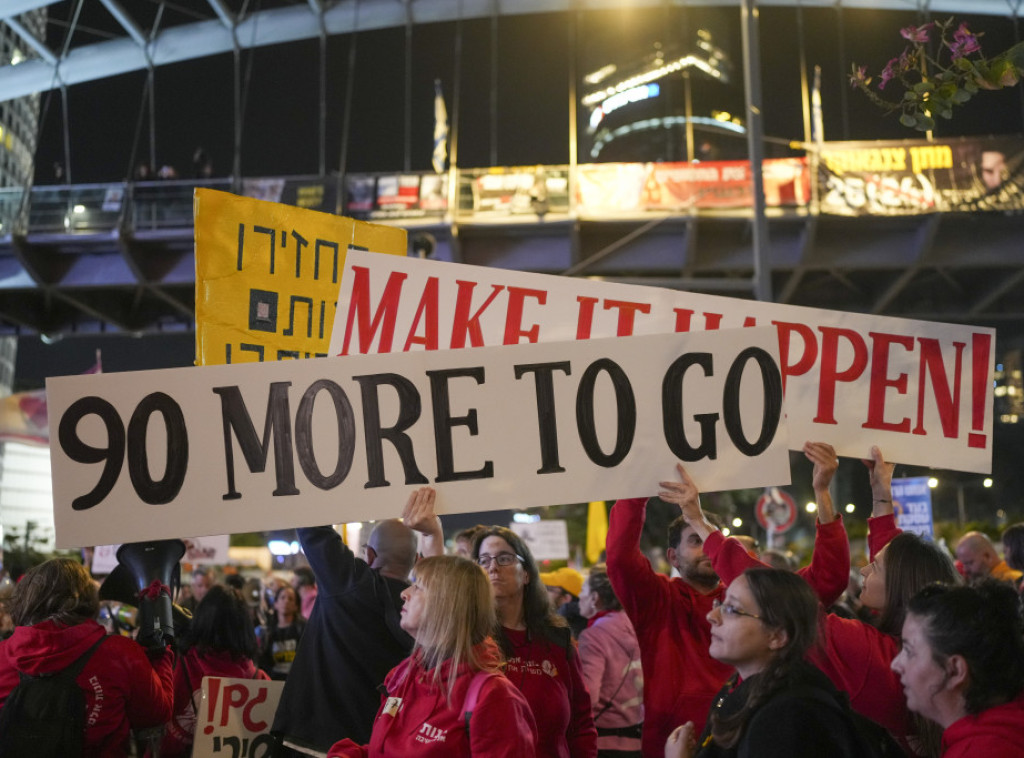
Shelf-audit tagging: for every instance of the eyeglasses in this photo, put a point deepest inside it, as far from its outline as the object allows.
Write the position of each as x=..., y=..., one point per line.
x=728, y=609
x=502, y=559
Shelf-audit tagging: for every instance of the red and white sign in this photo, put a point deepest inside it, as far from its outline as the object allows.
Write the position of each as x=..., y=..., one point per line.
x=234, y=718
x=921, y=391
x=775, y=510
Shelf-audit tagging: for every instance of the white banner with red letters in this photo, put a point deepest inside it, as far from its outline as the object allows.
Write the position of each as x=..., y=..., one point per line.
x=263, y=446
x=920, y=390
x=234, y=718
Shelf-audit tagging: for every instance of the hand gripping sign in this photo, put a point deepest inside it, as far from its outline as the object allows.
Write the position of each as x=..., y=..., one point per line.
x=222, y=449
x=922, y=391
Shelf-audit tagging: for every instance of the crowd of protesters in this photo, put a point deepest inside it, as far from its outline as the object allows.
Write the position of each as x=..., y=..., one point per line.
x=402, y=650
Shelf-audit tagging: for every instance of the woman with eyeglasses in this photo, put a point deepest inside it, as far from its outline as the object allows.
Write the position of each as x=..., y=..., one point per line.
x=542, y=658
x=855, y=655
x=962, y=666
x=776, y=704
x=449, y=699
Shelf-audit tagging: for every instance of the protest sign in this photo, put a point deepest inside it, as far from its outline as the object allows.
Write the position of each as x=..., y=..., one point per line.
x=548, y=540
x=912, y=501
x=267, y=276
x=234, y=718
x=347, y=439
x=920, y=390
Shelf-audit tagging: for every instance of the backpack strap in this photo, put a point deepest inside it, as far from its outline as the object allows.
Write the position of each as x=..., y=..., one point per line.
x=473, y=694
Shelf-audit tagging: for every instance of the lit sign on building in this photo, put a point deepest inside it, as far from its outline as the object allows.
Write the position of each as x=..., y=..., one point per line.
x=619, y=99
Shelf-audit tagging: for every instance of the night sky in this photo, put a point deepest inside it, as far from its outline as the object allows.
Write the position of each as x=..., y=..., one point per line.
x=194, y=99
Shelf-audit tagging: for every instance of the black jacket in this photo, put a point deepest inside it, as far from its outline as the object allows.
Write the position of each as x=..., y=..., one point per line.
x=796, y=721
x=352, y=640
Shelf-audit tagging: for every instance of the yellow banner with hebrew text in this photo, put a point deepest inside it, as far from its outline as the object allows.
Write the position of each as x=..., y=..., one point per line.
x=267, y=276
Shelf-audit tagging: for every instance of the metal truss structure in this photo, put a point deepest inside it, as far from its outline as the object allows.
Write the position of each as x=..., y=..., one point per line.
x=132, y=269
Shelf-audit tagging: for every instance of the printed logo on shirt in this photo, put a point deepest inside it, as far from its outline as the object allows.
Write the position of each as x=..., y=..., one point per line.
x=392, y=706
x=429, y=734
x=97, y=704
x=530, y=667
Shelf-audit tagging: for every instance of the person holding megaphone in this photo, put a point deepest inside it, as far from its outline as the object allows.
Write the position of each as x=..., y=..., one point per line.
x=124, y=685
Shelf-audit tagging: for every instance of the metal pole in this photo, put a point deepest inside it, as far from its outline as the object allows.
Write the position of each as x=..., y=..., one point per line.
x=960, y=505
x=346, y=118
x=755, y=145
x=494, y=85
x=804, y=89
x=453, y=130
x=407, y=162
x=688, y=95
x=322, y=163
x=573, y=137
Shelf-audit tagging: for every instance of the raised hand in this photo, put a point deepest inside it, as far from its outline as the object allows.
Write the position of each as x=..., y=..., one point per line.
x=880, y=476
x=419, y=516
x=825, y=461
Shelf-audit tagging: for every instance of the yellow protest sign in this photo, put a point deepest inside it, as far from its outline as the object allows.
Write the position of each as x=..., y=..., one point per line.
x=267, y=276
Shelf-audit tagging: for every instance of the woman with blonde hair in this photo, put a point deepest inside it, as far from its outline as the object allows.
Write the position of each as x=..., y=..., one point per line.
x=450, y=697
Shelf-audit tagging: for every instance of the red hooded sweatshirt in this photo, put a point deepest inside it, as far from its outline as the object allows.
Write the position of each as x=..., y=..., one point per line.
x=999, y=731
x=188, y=684
x=417, y=720
x=123, y=690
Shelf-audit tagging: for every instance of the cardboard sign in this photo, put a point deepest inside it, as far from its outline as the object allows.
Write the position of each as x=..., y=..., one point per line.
x=251, y=447
x=234, y=718
x=922, y=391
x=267, y=276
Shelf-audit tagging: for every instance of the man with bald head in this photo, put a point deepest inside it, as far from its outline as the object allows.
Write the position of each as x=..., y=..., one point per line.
x=981, y=561
x=353, y=637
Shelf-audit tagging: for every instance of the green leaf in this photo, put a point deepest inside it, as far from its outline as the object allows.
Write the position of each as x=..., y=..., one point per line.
x=924, y=123
x=910, y=95
x=947, y=113
x=922, y=87
x=964, y=64
x=908, y=120
x=961, y=96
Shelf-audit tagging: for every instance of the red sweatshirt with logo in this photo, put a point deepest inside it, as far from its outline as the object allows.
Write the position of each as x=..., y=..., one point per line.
x=418, y=720
x=670, y=617
x=123, y=689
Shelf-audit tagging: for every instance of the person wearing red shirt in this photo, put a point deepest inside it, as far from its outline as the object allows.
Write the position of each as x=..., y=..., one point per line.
x=670, y=615
x=542, y=658
x=220, y=641
x=54, y=608
x=855, y=655
x=449, y=611
x=962, y=666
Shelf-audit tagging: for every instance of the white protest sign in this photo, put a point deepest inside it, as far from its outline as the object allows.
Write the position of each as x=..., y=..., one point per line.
x=547, y=540
x=920, y=390
x=104, y=559
x=207, y=550
x=234, y=718
x=250, y=447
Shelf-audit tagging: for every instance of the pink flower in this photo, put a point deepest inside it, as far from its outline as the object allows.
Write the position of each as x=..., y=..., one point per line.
x=964, y=43
x=859, y=76
x=916, y=33
x=889, y=72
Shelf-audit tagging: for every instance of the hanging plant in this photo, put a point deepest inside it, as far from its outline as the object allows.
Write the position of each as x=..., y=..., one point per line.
x=929, y=87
